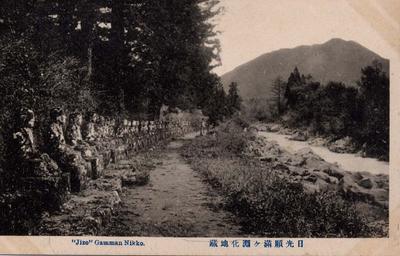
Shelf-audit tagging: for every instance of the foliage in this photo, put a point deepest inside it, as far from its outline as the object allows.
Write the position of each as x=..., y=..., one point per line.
x=233, y=100
x=125, y=57
x=258, y=109
x=374, y=98
x=119, y=44
x=278, y=92
x=338, y=110
x=265, y=201
x=216, y=109
x=40, y=83
x=230, y=135
x=221, y=105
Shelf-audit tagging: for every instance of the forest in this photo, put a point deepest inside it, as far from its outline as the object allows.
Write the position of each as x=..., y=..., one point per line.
x=338, y=110
x=117, y=58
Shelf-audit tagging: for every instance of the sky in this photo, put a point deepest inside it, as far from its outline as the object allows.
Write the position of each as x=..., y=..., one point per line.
x=250, y=28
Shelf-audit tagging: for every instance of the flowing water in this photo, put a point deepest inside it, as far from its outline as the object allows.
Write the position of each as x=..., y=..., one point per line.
x=349, y=162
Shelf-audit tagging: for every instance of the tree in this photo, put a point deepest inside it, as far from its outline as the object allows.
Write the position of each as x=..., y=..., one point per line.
x=118, y=42
x=176, y=72
x=335, y=107
x=374, y=90
x=278, y=93
x=233, y=101
x=294, y=84
x=216, y=108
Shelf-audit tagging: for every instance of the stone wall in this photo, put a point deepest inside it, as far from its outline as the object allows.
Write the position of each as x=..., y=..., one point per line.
x=76, y=149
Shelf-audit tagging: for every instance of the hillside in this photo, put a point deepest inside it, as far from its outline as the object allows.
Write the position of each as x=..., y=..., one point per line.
x=335, y=60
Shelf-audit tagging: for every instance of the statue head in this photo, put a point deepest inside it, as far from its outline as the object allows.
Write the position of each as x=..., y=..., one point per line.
x=76, y=119
x=92, y=117
x=102, y=120
x=112, y=123
x=57, y=115
x=135, y=125
x=143, y=125
x=26, y=118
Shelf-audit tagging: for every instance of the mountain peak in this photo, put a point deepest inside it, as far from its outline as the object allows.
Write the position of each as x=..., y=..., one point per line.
x=336, y=40
x=335, y=60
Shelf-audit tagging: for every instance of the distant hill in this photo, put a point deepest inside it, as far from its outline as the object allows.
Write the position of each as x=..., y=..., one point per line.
x=335, y=60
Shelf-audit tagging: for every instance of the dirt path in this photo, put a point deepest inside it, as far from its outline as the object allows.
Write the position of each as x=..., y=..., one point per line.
x=176, y=202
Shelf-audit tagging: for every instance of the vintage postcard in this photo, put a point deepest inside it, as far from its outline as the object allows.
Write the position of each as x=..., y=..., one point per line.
x=199, y=127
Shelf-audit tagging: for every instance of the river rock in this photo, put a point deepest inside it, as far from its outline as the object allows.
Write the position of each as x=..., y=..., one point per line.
x=311, y=178
x=357, y=176
x=318, y=142
x=262, y=128
x=307, y=154
x=296, y=160
x=366, y=183
x=299, y=136
x=281, y=167
x=253, y=129
x=314, y=184
x=334, y=173
x=344, y=145
x=286, y=131
x=272, y=127
x=382, y=181
x=269, y=158
x=381, y=197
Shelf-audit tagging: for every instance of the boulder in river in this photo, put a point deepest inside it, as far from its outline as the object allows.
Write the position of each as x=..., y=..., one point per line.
x=299, y=136
x=344, y=145
x=308, y=153
x=286, y=131
x=318, y=142
x=273, y=127
x=366, y=183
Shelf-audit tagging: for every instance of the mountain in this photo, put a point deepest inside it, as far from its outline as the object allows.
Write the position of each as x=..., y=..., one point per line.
x=335, y=60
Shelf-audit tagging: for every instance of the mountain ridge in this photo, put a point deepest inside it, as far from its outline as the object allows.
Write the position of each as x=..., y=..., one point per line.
x=335, y=60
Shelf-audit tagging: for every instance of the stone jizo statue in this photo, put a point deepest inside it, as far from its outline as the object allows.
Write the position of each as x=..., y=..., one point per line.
x=69, y=159
x=73, y=132
x=90, y=133
x=30, y=161
x=24, y=135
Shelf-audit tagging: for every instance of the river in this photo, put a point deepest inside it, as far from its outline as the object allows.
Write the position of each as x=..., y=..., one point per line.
x=349, y=162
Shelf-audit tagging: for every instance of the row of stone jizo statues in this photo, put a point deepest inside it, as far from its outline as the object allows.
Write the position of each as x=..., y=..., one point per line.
x=76, y=150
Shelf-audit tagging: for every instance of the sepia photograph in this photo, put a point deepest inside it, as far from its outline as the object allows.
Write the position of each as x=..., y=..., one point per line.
x=210, y=119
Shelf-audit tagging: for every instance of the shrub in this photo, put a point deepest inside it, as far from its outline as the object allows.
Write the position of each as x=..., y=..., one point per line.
x=281, y=208
x=266, y=202
x=231, y=135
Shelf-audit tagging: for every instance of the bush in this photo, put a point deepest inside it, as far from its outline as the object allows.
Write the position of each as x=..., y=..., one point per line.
x=258, y=109
x=231, y=135
x=268, y=204
x=281, y=208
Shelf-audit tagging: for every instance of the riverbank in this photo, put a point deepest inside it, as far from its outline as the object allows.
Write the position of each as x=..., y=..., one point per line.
x=277, y=193
x=346, y=161
x=345, y=145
